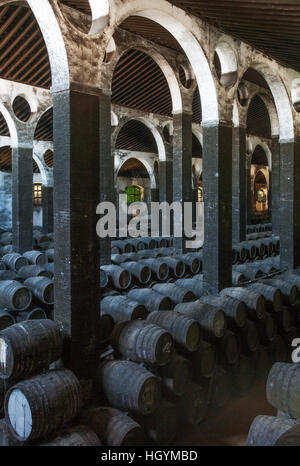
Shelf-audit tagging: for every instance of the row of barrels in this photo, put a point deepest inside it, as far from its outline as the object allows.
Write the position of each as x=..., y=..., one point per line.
x=259, y=228
x=282, y=391
x=129, y=245
x=40, y=240
x=252, y=250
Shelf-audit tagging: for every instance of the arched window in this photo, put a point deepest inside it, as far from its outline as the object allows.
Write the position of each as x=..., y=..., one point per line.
x=134, y=193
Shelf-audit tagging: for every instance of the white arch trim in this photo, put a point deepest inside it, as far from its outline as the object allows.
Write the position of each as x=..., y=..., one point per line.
x=158, y=139
x=166, y=15
x=281, y=99
x=266, y=150
x=100, y=15
x=10, y=124
x=54, y=41
x=146, y=165
x=41, y=168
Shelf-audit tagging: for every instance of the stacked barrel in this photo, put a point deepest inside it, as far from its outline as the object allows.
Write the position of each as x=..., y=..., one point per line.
x=283, y=394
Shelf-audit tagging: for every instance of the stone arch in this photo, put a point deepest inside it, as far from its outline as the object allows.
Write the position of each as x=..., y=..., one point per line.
x=41, y=168
x=165, y=68
x=11, y=125
x=100, y=15
x=147, y=166
x=54, y=41
x=281, y=99
x=267, y=152
x=155, y=133
x=180, y=26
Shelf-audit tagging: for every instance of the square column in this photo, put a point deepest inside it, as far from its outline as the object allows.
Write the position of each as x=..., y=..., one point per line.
x=22, y=203
x=238, y=185
x=47, y=204
x=182, y=167
x=289, y=204
x=275, y=186
x=166, y=181
x=77, y=246
x=217, y=189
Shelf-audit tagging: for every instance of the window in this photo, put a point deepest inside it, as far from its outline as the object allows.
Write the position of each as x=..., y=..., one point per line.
x=37, y=194
x=134, y=194
x=200, y=195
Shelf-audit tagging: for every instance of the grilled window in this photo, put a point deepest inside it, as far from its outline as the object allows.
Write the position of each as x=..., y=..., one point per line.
x=37, y=194
x=134, y=194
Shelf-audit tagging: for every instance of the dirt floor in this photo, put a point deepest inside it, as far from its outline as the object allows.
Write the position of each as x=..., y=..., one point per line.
x=231, y=425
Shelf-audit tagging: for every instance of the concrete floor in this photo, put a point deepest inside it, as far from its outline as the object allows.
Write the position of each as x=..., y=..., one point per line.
x=230, y=426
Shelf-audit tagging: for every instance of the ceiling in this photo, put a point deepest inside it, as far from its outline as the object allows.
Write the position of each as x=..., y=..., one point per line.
x=273, y=27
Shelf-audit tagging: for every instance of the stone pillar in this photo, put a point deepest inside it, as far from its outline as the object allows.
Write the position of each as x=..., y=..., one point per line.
x=217, y=188
x=248, y=191
x=166, y=181
x=275, y=186
x=238, y=185
x=22, y=204
x=182, y=166
x=154, y=195
x=289, y=204
x=77, y=246
x=107, y=180
x=47, y=204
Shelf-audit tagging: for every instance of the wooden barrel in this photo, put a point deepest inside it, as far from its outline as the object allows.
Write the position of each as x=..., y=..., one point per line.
x=103, y=279
x=122, y=308
x=249, y=337
x=292, y=278
x=192, y=262
x=75, y=436
x=50, y=254
x=141, y=341
x=241, y=252
x=50, y=267
x=4, y=386
x=159, y=268
x=161, y=426
x=113, y=427
x=192, y=406
x=267, y=329
x=14, y=261
x=6, y=238
x=255, y=302
x=29, y=346
x=120, y=246
x=14, y=295
x=118, y=259
x=152, y=300
x=136, y=243
x=288, y=290
x=140, y=272
x=221, y=388
x=32, y=314
x=33, y=271
x=118, y=277
x=2, y=266
x=268, y=245
x=176, y=266
x=185, y=331
x=40, y=238
x=204, y=361
x=6, y=437
x=243, y=373
x=175, y=293
x=42, y=289
x=228, y=348
x=234, y=309
x=276, y=243
x=148, y=254
x=283, y=388
x=249, y=271
x=9, y=275
x=150, y=243
x=278, y=351
x=266, y=430
x=195, y=286
x=176, y=375
x=284, y=319
x=6, y=319
x=272, y=295
x=129, y=386
x=250, y=247
x=260, y=248
x=8, y=249
x=211, y=319
x=238, y=277
x=36, y=257
x=290, y=438
x=30, y=404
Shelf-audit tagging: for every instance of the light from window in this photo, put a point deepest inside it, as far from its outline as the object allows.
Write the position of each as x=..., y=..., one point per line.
x=37, y=194
x=134, y=194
